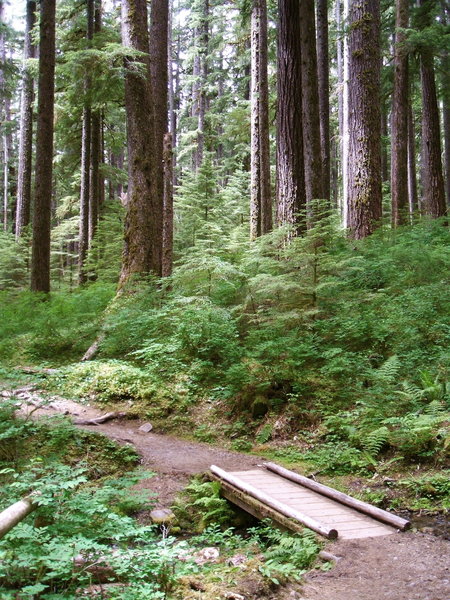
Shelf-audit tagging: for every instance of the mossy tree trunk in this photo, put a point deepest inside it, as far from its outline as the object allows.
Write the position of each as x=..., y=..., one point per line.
x=291, y=194
x=40, y=254
x=314, y=178
x=364, y=120
x=260, y=200
x=433, y=202
x=23, y=209
x=400, y=104
x=142, y=252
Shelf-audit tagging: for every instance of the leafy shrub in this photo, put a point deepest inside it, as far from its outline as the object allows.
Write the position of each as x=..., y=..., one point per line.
x=108, y=381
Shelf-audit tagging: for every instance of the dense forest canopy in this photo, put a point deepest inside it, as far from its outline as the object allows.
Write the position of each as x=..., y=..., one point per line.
x=229, y=218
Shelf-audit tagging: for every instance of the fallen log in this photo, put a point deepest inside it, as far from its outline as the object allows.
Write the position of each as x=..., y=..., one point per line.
x=368, y=509
x=102, y=419
x=275, y=504
x=15, y=513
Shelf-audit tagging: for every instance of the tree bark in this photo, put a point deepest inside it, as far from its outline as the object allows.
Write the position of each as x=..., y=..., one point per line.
x=159, y=50
x=291, y=194
x=260, y=200
x=40, y=254
x=399, y=135
x=323, y=68
x=168, y=206
x=364, y=160
x=23, y=209
x=412, y=175
x=143, y=227
x=433, y=203
x=446, y=104
x=85, y=158
x=314, y=179
x=95, y=192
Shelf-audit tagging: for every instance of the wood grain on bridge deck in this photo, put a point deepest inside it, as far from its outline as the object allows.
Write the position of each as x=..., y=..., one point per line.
x=350, y=523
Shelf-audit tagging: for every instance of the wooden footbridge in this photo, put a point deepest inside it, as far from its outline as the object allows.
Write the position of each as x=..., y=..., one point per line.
x=293, y=501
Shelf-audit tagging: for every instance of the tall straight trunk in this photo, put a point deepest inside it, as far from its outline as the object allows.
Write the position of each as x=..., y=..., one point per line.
x=159, y=44
x=364, y=160
x=412, y=175
x=399, y=151
x=200, y=73
x=94, y=174
x=5, y=118
x=384, y=140
x=445, y=70
x=96, y=147
x=314, y=179
x=171, y=58
x=340, y=100
x=260, y=199
x=345, y=117
x=323, y=68
x=40, y=253
x=433, y=203
x=23, y=209
x=291, y=194
x=143, y=227
x=167, y=259
x=85, y=158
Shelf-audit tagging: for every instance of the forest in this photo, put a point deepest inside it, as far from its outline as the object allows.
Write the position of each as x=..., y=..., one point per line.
x=224, y=237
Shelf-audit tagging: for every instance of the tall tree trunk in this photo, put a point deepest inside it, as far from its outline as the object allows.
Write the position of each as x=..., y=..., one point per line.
x=314, y=179
x=23, y=209
x=168, y=207
x=5, y=118
x=40, y=254
x=172, y=91
x=85, y=158
x=291, y=194
x=345, y=117
x=364, y=160
x=433, y=182
x=446, y=104
x=412, y=176
x=159, y=50
x=96, y=147
x=200, y=73
x=399, y=151
x=260, y=200
x=323, y=69
x=143, y=228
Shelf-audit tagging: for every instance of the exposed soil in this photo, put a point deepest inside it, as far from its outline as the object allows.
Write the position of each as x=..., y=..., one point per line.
x=403, y=566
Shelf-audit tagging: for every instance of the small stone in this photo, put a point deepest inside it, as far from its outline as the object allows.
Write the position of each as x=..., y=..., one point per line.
x=146, y=428
x=206, y=555
x=233, y=596
x=237, y=559
x=162, y=516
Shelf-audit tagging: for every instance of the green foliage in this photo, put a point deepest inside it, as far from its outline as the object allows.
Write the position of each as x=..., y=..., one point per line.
x=285, y=555
x=200, y=505
x=14, y=257
x=108, y=381
x=60, y=328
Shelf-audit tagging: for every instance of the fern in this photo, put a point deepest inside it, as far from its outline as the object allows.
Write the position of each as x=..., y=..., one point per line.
x=375, y=440
x=389, y=370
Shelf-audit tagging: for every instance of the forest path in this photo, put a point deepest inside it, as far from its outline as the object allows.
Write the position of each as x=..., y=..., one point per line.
x=173, y=460
x=402, y=566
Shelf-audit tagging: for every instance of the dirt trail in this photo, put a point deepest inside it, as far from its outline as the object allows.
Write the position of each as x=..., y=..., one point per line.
x=403, y=566
x=173, y=460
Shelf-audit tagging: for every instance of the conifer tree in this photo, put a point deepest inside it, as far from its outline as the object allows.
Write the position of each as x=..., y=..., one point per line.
x=260, y=200
x=399, y=164
x=364, y=121
x=40, y=257
x=143, y=228
x=26, y=127
x=433, y=203
x=291, y=195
